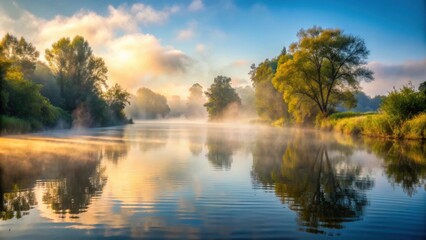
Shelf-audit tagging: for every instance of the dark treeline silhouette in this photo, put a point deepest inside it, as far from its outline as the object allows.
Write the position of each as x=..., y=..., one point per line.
x=71, y=90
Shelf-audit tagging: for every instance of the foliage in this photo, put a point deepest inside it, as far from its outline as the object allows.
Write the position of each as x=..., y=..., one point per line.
x=117, y=99
x=415, y=128
x=49, y=87
x=196, y=100
x=79, y=73
x=340, y=115
x=22, y=99
x=403, y=104
x=323, y=70
x=220, y=96
x=13, y=125
x=376, y=125
x=148, y=105
x=81, y=77
x=422, y=87
x=269, y=102
x=20, y=53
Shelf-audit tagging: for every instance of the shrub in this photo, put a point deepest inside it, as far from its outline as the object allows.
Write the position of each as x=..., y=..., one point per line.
x=404, y=104
x=13, y=125
x=415, y=128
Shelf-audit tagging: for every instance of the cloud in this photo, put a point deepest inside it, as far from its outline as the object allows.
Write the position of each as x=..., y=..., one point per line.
x=136, y=58
x=240, y=63
x=147, y=14
x=196, y=5
x=133, y=58
x=388, y=76
x=200, y=48
x=185, y=34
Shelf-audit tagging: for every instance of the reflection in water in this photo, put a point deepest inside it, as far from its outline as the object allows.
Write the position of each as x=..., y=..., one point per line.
x=68, y=171
x=158, y=180
x=221, y=146
x=315, y=180
x=17, y=203
x=404, y=163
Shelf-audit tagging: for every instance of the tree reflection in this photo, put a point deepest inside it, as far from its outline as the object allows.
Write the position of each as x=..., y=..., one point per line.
x=74, y=188
x=404, y=162
x=220, y=147
x=17, y=203
x=69, y=174
x=315, y=180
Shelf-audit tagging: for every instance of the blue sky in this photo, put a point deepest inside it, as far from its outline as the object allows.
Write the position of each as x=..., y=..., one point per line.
x=202, y=39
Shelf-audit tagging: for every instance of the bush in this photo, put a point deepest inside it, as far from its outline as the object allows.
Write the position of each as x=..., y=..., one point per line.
x=12, y=125
x=415, y=128
x=404, y=104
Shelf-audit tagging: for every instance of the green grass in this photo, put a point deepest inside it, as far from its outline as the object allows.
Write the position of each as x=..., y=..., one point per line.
x=376, y=125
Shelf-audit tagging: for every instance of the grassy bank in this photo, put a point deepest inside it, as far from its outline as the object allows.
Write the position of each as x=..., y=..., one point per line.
x=376, y=125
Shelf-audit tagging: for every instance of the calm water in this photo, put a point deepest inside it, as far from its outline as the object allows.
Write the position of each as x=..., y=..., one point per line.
x=182, y=180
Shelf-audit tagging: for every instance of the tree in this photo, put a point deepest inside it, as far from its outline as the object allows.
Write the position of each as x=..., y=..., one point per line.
x=81, y=76
x=49, y=87
x=403, y=104
x=422, y=87
x=149, y=105
x=220, y=96
x=117, y=98
x=21, y=98
x=20, y=53
x=325, y=69
x=79, y=73
x=269, y=102
x=196, y=100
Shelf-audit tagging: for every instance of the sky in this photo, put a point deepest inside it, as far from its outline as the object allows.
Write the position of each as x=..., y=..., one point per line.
x=169, y=45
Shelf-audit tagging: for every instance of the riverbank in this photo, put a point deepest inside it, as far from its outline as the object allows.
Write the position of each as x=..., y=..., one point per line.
x=12, y=125
x=376, y=125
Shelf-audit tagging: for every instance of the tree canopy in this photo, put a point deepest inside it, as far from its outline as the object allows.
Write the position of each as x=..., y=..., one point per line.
x=323, y=68
x=220, y=96
x=148, y=105
x=268, y=101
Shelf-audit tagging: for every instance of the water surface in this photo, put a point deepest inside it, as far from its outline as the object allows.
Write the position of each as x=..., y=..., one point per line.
x=210, y=181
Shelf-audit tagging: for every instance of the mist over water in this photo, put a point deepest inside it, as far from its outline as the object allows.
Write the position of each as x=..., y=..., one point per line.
x=191, y=179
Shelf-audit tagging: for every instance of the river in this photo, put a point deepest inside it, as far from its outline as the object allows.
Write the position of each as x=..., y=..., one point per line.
x=192, y=180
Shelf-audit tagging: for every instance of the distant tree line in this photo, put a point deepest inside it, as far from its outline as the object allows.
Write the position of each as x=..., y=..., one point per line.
x=70, y=90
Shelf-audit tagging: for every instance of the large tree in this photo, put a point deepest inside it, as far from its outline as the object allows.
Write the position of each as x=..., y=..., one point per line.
x=20, y=53
x=79, y=73
x=325, y=69
x=269, y=101
x=148, y=105
x=81, y=77
x=220, y=96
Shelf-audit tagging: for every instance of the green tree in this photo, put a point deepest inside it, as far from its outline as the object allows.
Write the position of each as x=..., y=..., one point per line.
x=422, y=87
x=325, y=69
x=149, y=105
x=81, y=77
x=21, y=98
x=117, y=99
x=49, y=87
x=403, y=104
x=79, y=73
x=220, y=96
x=20, y=53
x=269, y=102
